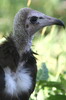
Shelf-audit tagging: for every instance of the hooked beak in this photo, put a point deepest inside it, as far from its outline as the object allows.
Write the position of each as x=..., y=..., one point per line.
x=47, y=20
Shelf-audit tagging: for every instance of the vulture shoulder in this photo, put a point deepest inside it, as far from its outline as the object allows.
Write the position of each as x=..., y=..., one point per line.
x=8, y=54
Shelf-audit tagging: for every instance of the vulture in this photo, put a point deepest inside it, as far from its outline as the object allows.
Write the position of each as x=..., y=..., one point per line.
x=18, y=67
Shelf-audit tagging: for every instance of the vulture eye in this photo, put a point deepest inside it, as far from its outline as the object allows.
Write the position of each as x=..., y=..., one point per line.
x=33, y=19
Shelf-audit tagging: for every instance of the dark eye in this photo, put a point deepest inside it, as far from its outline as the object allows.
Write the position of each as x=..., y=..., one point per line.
x=33, y=19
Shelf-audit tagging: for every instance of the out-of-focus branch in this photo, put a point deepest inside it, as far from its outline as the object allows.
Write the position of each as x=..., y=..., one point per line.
x=28, y=3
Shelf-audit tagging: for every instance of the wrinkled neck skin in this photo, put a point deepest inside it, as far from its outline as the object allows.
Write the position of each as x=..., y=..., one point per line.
x=22, y=40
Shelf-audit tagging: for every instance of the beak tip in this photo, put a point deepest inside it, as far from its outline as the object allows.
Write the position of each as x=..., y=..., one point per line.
x=61, y=23
x=63, y=26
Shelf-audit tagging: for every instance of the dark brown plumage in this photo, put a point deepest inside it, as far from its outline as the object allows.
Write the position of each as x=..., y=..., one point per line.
x=10, y=57
x=8, y=54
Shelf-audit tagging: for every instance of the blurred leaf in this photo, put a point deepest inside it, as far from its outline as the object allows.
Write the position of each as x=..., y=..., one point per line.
x=42, y=73
x=63, y=82
x=57, y=97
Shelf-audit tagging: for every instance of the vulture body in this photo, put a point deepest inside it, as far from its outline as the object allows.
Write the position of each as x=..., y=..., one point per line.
x=9, y=62
x=17, y=62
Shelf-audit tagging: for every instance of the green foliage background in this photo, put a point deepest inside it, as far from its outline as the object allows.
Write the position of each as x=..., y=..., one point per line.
x=50, y=44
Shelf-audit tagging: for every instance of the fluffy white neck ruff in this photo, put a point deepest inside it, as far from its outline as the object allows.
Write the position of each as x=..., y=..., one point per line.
x=18, y=82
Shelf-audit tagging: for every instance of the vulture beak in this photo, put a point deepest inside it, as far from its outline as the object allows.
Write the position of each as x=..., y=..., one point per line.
x=47, y=21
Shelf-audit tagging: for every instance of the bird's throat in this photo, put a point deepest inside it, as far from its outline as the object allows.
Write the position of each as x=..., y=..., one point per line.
x=22, y=42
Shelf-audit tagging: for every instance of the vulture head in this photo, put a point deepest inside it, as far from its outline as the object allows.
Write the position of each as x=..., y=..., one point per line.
x=28, y=21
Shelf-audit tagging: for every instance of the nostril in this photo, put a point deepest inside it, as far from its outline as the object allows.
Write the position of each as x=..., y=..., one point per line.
x=41, y=18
